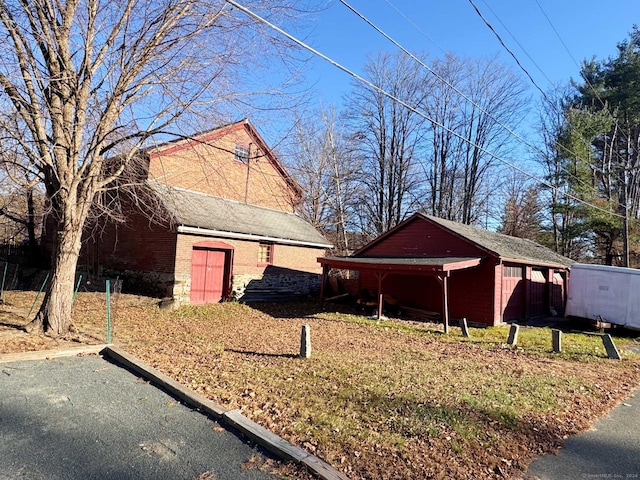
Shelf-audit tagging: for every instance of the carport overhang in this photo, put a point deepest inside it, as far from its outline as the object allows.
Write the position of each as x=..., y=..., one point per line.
x=439, y=267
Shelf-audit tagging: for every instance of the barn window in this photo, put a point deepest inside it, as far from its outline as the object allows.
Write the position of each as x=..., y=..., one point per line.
x=265, y=253
x=512, y=272
x=241, y=154
x=537, y=276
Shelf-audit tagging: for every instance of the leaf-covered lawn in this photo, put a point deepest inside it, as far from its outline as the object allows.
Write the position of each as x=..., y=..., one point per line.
x=377, y=400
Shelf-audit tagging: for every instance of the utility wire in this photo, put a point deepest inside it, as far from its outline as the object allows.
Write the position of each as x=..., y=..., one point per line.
x=462, y=94
x=517, y=42
x=486, y=22
x=414, y=25
x=535, y=148
x=566, y=48
x=546, y=98
x=411, y=108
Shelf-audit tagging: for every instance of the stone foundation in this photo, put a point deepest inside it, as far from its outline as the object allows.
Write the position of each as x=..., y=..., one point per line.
x=153, y=284
x=297, y=284
x=178, y=287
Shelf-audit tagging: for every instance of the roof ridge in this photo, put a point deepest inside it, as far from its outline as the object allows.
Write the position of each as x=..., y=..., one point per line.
x=499, y=243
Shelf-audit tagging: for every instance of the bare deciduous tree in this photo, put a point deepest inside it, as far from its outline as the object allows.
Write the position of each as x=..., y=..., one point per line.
x=327, y=172
x=386, y=138
x=90, y=80
x=522, y=214
x=481, y=101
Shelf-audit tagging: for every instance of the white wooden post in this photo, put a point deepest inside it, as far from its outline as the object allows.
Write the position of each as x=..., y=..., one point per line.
x=556, y=340
x=464, y=327
x=305, y=342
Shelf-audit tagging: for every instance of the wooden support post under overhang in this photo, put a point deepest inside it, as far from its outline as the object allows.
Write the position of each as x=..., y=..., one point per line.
x=444, y=281
x=549, y=290
x=380, y=277
x=445, y=303
x=325, y=272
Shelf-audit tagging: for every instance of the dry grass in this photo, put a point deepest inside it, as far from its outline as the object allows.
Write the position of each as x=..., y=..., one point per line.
x=377, y=400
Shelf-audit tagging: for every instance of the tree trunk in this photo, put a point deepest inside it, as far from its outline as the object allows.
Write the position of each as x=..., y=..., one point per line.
x=54, y=316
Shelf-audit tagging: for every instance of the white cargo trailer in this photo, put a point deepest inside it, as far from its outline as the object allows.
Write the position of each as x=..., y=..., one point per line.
x=604, y=293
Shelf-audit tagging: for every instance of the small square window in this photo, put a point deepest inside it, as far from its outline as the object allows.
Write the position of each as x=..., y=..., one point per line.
x=265, y=253
x=512, y=272
x=241, y=154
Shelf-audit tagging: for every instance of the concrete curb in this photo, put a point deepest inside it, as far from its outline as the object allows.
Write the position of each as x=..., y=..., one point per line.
x=46, y=354
x=161, y=380
x=260, y=435
x=233, y=418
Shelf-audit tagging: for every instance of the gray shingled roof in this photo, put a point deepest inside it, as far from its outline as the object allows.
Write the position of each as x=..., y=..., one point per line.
x=195, y=209
x=504, y=245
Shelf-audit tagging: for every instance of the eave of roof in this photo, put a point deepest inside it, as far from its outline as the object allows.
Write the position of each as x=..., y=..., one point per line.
x=202, y=214
x=402, y=264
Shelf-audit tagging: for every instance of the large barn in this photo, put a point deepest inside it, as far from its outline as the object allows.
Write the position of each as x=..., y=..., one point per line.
x=458, y=271
x=224, y=224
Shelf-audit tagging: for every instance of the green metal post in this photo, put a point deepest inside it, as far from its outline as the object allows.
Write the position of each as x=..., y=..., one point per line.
x=75, y=293
x=4, y=277
x=108, y=292
x=38, y=295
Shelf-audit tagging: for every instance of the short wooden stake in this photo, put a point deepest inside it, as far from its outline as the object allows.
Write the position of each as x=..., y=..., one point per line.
x=305, y=342
x=513, y=334
x=464, y=327
x=610, y=347
x=556, y=340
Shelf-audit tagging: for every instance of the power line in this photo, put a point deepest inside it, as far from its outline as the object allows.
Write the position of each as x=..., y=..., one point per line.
x=566, y=48
x=414, y=25
x=535, y=148
x=546, y=98
x=462, y=94
x=559, y=37
x=509, y=51
x=517, y=42
x=411, y=108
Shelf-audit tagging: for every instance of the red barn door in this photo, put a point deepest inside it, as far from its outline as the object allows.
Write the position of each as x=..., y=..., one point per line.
x=513, y=289
x=557, y=292
x=538, y=304
x=207, y=275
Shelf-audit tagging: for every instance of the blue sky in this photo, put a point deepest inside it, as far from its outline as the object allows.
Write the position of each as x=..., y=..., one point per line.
x=586, y=27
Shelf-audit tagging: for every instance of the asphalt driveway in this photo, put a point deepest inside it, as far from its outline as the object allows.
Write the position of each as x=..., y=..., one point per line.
x=609, y=450
x=86, y=418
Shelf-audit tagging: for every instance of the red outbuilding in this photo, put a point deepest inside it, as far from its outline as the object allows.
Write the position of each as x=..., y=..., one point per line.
x=458, y=271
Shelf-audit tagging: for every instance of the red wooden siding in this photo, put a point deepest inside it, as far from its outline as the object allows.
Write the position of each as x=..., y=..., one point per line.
x=513, y=292
x=538, y=304
x=471, y=292
x=420, y=238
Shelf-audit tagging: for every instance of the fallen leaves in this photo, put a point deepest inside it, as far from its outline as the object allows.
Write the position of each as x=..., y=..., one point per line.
x=377, y=401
